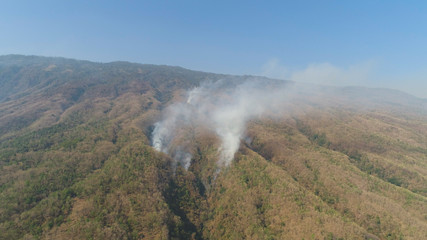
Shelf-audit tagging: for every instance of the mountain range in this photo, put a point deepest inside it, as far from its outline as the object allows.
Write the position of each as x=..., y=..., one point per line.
x=78, y=158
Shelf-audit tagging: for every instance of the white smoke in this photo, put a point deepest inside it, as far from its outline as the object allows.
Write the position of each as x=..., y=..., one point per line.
x=224, y=107
x=164, y=133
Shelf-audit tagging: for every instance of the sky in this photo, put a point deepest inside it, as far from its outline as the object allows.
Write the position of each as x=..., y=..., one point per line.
x=344, y=43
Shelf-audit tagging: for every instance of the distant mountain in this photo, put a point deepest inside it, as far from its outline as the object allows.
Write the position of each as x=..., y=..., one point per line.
x=312, y=162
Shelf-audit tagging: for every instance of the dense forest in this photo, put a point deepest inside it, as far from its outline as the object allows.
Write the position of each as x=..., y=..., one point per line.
x=76, y=160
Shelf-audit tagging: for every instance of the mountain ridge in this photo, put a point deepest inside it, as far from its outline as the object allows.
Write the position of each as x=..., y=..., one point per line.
x=76, y=160
x=12, y=59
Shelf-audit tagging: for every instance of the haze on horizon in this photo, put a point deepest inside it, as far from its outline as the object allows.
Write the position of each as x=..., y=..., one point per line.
x=364, y=43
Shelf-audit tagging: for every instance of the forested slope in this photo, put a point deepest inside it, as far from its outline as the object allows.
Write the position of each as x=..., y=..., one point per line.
x=76, y=160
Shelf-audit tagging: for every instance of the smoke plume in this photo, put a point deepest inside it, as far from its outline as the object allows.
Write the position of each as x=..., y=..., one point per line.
x=223, y=107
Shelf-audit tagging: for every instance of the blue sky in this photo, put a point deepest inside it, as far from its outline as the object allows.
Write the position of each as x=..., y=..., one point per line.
x=367, y=43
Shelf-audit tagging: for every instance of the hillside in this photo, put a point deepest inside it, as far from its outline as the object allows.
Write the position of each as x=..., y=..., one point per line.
x=77, y=162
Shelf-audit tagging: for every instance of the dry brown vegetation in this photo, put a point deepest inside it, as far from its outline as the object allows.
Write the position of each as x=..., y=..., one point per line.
x=76, y=161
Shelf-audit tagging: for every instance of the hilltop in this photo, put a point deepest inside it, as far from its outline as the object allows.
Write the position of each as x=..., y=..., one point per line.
x=76, y=160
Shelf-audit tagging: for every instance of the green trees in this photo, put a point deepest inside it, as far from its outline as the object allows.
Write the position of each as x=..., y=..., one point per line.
x=77, y=164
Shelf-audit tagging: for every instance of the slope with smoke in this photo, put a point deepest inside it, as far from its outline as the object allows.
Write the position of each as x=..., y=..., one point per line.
x=224, y=107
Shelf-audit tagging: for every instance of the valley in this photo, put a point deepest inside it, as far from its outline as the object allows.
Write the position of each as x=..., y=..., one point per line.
x=77, y=161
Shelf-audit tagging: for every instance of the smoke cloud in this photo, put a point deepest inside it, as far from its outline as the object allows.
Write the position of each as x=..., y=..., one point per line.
x=223, y=107
x=362, y=73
